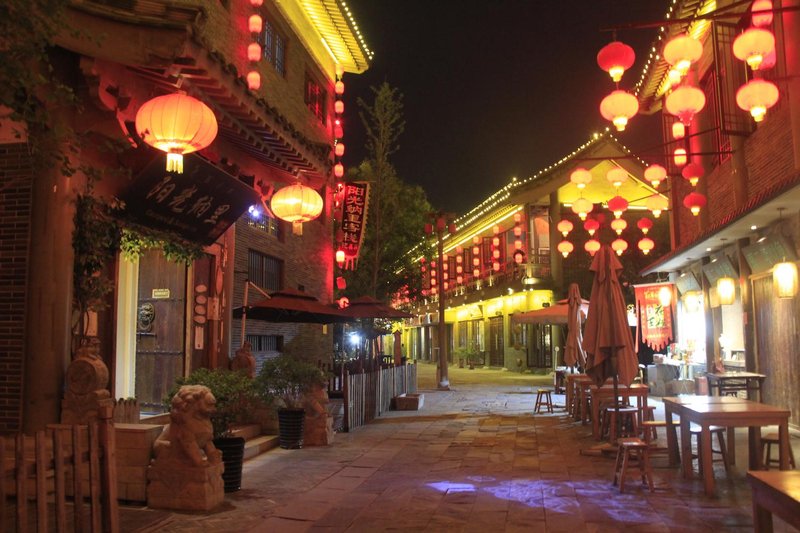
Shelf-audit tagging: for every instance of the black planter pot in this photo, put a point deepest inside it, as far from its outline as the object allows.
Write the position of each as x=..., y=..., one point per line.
x=232, y=449
x=290, y=428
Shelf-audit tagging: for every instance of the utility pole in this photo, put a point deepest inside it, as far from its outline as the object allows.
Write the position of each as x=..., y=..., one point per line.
x=441, y=223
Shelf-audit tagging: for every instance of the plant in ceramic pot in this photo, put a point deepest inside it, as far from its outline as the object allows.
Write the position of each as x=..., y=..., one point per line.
x=283, y=382
x=236, y=399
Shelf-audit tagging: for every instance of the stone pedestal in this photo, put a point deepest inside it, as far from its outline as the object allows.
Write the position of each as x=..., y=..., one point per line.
x=86, y=394
x=185, y=488
x=409, y=402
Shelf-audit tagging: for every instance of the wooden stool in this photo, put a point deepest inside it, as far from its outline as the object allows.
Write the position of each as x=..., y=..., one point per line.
x=627, y=421
x=766, y=442
x=543, y=399
x=650, y=435
x=636, y=451
x=719, y=431
x=648, y=414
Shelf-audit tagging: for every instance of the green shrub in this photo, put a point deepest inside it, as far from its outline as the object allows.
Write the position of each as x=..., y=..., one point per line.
x=284, y=381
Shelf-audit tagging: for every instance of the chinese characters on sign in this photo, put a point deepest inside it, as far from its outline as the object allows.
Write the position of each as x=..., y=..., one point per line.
x=354, y=217
x=199, y=205
x=655, y=319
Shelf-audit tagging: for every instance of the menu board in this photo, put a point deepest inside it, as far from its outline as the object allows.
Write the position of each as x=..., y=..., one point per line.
x=721, y=268
x=687, y=282
x=762, y=256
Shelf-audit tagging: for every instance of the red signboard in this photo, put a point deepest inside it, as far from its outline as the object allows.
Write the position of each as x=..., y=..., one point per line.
x=654, y=318
x=354, y=219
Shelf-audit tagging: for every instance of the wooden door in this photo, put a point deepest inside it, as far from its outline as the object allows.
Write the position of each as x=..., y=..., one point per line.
x=496, y=341
x=160, y=329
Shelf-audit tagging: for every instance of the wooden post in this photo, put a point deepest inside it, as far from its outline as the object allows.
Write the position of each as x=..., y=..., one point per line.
x=108, y=469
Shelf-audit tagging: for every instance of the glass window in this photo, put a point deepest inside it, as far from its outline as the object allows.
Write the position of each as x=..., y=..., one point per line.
x=265, y=271
x=274, y=46
x=316, y=98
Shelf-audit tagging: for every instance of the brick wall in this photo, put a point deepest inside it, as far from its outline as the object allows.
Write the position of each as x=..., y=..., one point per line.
x=15, y=211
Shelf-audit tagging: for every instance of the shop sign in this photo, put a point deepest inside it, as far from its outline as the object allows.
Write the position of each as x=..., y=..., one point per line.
x=354, y=219
x=655, y=319
x=160, y=293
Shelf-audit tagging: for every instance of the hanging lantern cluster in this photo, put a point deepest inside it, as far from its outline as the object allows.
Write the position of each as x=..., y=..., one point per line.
x=756, y=47
x=338, y=108
x=619, y=106
x=476, y=257
x=496, y=249
x=434, y=278
x=255, y=25
x=445, y=272
x=459, y=265
x=519, y=254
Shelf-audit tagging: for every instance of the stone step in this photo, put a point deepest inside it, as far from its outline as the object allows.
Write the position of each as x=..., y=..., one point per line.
x=249, y=431
x=258, y=445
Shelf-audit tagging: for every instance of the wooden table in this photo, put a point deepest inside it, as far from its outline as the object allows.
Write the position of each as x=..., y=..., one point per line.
x=572, y=392
x=725, y=382
x=606, y=392
x=728, y=411
x=582, y=385
x=775, y=493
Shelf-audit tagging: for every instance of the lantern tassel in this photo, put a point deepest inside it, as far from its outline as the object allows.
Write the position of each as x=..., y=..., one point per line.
x=297, y=228
x=175, y=163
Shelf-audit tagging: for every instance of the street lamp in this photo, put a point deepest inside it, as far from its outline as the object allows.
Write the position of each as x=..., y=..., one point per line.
x=440, y=223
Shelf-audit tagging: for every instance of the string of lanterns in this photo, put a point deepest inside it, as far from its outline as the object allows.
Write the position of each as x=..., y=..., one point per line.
x=255, y=25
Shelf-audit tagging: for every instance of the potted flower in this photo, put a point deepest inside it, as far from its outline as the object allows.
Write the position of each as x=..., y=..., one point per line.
x=236, y=398
x=283, y=382
x=473, y=358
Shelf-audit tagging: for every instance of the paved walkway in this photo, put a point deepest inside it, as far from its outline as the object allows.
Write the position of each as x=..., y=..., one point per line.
x=473, y=459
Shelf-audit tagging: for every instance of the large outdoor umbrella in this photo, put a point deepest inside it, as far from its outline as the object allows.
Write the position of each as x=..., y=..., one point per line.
x=607, y=337
x=368, y=307
x=554, y=314
x=574, y=353
x=289, y=305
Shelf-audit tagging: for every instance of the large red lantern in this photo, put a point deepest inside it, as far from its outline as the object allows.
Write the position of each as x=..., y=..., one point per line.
x=762, y=13
x=646, y=244
x=756, y=96
x=618, y=205
x=618, y=107
x=580, y=177
x=685, y=102
x=753, y=45
x=296, y=204
x=176, y=124
x=681, y=51
x=694, y=201
x=655, y=174
x=615, y=58
x=591, y=226
x=644, y=224
x=693, y=172
x=565, y=247
x=565, y=226
x=619, y=246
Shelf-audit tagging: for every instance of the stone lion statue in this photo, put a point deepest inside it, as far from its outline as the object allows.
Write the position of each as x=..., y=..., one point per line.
x=187, y=439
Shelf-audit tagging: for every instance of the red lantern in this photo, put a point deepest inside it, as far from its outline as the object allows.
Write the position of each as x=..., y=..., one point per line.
x=496, y=253
x=255, y=24
x=693, y=172
x=176, y=124
x=617, y=176
x=517, y=217
x=679, y=157
x=476, y=273
x=592, y=246
x=496, y=266
x=256, y=3
x=694, y=201
x=459, y=279
x=517, y=231
x=619, y=107
x=340, y=258
x=496, y=241
x=476, y=261
x=656, y=204
x=580, y=177
x=756, y=96
x=582, y=207
x=685, y=102
x=253, y=80
x=681, y=51
x=518, y=245
x=254, y=52
x=565, y=226
x=565, y=247
x=619, y=246
x=338, y=149
x=753, y=45
x=644, y=224
x=339, y=87
x=618, y=205
x=591, y=226
x=338, y=132
x=645, y=245
x=615, y=58
x=619, y=225
x=762, y=13
x=655, y=174
x=338, y=107
x=338, y=170
x=296, y=204
x=496, y=230
x=341, y=283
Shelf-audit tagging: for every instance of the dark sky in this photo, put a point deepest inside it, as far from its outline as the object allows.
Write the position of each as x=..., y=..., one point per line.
x=493, y=89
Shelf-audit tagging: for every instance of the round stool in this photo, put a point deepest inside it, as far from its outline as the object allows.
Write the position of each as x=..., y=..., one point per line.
x=719, y=431
x=633, y=452
x=627, y=422
x=766, y=444
x=543, y=399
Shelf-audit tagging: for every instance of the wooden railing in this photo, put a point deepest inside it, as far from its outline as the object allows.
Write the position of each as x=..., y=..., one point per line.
x=62, y=478
x=367, y=395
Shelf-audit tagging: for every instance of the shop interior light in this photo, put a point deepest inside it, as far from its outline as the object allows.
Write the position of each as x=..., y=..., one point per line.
x=665, y=295
x=784, y=279
x=726, y=290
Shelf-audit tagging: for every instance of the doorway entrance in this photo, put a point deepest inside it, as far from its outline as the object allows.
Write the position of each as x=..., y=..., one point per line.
x=496, y=355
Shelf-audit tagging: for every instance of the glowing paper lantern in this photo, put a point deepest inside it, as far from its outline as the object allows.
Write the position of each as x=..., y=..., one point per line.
x=495, y=241
x=496, y=266
x=679, y=157
x=756, y=96
x=615, y=58
x=253, y=80
x=565, y=247
x=338, y=132
x=681, y=51
x=665, y=296
x=655, y=174
x=592, y=246
x=693, y=172
x=296, y=204
x=591, y=226
x=256, y=3
x=517, y=231
x=762, y=13
x=619, y=107
x=518, y=245
x=617, y=176
x=496, y=254
x=618, y=205
x=619, y=225
x=691, y=300
x=338, y=88
x=580, y=177
x=685, y=102
x=619, y=246
x=582, y=207
x=656, y=204
x=340, y=258
x=694, y=201
x=253, y=52
x=678, y=130
x=255, y=24
x=565, y=226
x=726, y=290
x=784, y=279
x=338, y=107
x=338, y=170
x=644, y=224
x=176, y=124
x=476, y=273
x=753, y=45
x=338, y=150
x=645, y=245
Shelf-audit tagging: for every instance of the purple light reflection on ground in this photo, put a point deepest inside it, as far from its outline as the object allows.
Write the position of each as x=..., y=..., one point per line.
x=450, y=487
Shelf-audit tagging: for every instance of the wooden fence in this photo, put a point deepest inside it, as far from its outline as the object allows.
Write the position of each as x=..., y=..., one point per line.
x=62, y=478
x=367, y=395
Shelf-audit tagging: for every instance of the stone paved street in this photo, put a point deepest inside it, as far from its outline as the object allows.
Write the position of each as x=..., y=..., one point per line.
x=474, y=459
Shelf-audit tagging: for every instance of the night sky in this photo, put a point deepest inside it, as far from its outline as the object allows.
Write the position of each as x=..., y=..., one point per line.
x=494, y=89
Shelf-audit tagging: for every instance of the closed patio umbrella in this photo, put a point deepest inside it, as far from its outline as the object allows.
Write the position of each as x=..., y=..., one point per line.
x=368, y=307
x=574, y=353
x=289, y=305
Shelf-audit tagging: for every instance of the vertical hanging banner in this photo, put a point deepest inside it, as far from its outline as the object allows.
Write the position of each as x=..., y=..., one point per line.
x=655, y=318
x=354, y=219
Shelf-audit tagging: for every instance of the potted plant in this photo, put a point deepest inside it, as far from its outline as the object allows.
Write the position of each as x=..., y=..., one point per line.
x=473, y=358
x=283, y=383
x=236, y=399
